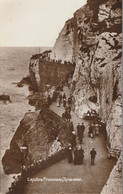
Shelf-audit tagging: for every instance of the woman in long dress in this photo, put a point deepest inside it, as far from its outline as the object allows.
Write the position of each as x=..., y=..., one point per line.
x=70, y=156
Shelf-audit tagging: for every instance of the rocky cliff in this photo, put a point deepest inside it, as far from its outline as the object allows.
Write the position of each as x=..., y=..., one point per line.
x=93, y=40
x=43, y=132
x=95, y=37
x=63, y=48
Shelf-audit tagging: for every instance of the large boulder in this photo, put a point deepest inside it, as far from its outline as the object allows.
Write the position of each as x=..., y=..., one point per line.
x=39, y=131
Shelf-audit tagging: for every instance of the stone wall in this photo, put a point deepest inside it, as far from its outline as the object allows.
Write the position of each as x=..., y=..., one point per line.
x=51, y=73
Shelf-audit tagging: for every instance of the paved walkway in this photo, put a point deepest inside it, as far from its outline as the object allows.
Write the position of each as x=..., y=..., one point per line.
x=92, y=178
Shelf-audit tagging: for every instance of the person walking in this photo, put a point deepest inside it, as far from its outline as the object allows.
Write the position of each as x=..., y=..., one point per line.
x=64, y=102
x=81, y=155
x=80, y=132
x=83, y=127
x=68, y=116
x=69, y=109
x=91, y=131
x=69, y=101
x=76, y=156
x=71, y=126
x=93, y=155
x=69, y=153
x=78, y=128
x=49, y=100
x=64, y=96
x=73, y=140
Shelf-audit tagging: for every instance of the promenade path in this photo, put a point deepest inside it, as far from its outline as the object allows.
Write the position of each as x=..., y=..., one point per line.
x=92, y=178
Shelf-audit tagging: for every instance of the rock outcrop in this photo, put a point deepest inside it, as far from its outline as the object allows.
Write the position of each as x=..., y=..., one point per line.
x=24, y=81
x=44, y=133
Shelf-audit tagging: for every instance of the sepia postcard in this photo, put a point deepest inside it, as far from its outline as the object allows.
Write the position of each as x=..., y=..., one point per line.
x=61, y=96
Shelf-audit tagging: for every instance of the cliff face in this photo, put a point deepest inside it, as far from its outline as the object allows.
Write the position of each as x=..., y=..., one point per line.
x=114, y=183
x=97, y=50
x=96, y=38
x=63, y=48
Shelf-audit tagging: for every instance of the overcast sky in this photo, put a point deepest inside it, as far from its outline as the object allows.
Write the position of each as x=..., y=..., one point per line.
x=34, y=22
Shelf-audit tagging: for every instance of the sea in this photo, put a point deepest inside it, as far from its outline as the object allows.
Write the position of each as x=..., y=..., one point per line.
x=14, y=65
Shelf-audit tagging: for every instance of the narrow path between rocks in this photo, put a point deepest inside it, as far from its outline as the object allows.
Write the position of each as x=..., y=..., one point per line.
x=92, y=178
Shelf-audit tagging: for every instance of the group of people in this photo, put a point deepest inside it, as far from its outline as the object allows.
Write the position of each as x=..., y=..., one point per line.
x=63, y=99
x=92, y=113
x=80, y=133
x=95, y=128
x=67, y=113
x=79, y=155
x=67, y=103
x=75, y=153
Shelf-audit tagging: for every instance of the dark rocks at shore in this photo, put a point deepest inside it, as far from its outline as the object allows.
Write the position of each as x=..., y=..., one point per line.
x=36, y=100
x=12, y=160
x=37, y=130
x=4, y=97
x=24, y=81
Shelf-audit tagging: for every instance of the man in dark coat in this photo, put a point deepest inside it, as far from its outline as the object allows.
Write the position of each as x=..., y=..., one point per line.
x=69, y=154
x=80, y=131
x=69, y=101
x=48, y=100
x=81, y=155
x=69, y=109
x=64, y=102
x=76, y=156
x=73, y=140
x=64, y=96
x=93, y=154
x=68, y=116
x=90, y=132
x=78, y=128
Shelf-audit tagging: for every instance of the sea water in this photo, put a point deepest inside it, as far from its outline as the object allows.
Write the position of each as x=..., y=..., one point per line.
x=14, y=64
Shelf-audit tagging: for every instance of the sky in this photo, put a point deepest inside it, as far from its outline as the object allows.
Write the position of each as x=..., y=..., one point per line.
x=34, y=22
